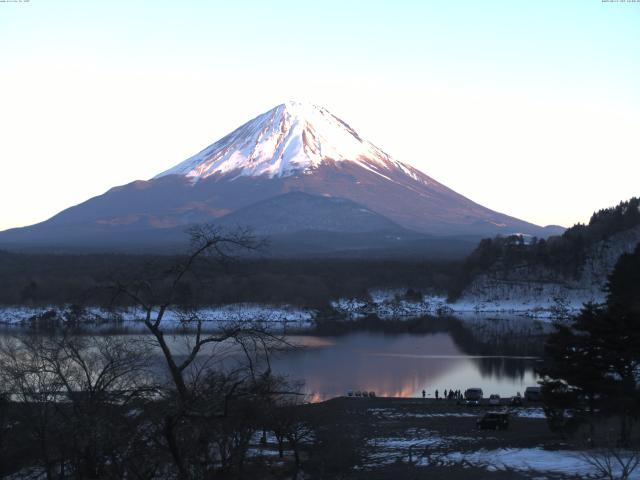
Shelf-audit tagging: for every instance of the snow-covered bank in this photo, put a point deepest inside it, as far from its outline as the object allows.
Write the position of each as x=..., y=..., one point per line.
x=275, y=317
x=394, y=304
x=386, y=304
x=383, y=304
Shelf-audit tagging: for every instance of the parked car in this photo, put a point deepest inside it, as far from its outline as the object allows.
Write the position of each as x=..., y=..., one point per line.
x=473, y=394
x=350, y=393
x=472, y=397
x=493, y=421
x=533, y=394
x=372, y=394
x=494, y=399
x=358, y=393
x=516, y=401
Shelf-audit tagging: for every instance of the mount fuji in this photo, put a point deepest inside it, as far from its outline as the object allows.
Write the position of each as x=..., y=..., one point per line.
x=296, y=171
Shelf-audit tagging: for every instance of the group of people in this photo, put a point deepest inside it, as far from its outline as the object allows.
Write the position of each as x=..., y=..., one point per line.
x=447, y=394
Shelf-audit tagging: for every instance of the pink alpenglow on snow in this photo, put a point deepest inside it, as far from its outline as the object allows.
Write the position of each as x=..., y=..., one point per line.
x=290, y=138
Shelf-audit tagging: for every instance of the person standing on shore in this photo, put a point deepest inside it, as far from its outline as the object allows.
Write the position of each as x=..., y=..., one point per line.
x=424, y=394
x=437, y=395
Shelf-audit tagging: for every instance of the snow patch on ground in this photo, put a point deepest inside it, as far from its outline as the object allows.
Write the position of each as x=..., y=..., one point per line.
x=425, y=448
x=529, y=413
x=394, y=414
x=565, y=462
x=386, y=450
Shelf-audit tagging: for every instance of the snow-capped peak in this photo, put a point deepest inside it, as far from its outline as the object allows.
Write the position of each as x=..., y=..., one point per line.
x=294, y=137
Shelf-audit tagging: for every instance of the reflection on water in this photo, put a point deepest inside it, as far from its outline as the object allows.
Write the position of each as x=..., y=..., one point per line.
x=400, y=365
x=497, y=355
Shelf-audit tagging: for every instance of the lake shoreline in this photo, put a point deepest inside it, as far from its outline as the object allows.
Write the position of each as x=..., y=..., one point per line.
x=384, y=307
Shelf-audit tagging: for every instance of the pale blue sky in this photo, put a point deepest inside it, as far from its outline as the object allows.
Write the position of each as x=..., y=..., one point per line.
x=531, y=108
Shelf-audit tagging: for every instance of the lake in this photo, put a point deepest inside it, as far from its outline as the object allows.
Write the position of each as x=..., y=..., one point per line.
x=498, y=355
x=400, y=365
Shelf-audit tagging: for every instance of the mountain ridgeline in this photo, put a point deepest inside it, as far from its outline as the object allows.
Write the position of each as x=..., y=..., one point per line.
x=297, y=174
x=581, y=251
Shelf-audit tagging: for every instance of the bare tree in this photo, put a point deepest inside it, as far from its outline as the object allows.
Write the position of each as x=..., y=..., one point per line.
x=98, y=407
x=286, y=418
x=613, y=463
x=25, y=377
x=207, y=405
x=156, y=294
x=4, y=424
x=74, y=394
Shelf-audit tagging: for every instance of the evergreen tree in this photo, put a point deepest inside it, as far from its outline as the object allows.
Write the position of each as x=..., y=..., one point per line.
x=624, y=286
x=592, y=366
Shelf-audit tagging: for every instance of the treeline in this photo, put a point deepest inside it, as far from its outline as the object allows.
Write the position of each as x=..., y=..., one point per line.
x=49, y=279
x=564, y=254
x=46, y=279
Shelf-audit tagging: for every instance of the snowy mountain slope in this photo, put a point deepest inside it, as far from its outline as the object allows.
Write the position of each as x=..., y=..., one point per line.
x=291, y=138
x=294, y=147
x=305, y=147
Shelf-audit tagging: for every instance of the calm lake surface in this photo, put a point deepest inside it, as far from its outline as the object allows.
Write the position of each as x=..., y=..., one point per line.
x=498, y=355
x=400, y=365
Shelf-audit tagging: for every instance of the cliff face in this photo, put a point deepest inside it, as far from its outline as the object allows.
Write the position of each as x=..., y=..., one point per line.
x=535, y=287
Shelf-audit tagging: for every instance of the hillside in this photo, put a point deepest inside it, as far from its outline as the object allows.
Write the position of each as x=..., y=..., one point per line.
x=568, y=269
